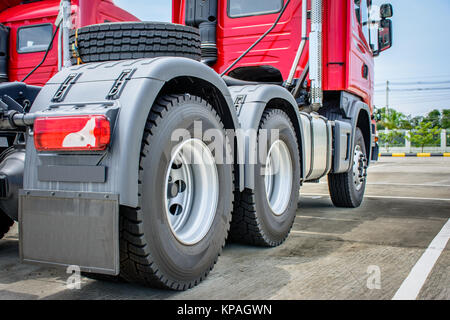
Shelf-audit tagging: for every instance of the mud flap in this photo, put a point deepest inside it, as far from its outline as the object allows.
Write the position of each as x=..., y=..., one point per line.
x=70, y=228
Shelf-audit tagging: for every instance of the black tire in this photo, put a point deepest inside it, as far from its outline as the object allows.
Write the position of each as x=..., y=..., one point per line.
x=343, y=191
x=135, y=40
x=5, y=221
x=5, y=224
x=149, y=250
x=253, y=220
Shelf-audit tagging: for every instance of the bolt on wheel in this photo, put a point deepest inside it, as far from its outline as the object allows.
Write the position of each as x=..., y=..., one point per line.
x=278, y=177
x=192, y=191
x=359, y=168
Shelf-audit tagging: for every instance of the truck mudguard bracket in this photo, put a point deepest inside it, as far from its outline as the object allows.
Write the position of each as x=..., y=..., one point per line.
x=65, y=87
x=120, y=83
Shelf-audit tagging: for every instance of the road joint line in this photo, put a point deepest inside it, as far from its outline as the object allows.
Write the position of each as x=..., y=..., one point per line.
x=379, y=197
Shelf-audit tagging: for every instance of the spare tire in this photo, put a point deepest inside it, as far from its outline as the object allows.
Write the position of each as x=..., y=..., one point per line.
x=134, y=40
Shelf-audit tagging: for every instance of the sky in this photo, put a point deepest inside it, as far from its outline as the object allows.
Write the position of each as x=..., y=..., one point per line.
x=419, y=58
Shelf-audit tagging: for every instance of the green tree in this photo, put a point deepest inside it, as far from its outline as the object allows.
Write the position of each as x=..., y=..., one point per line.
x=445, y=122
x=415, y=121
x=434, y=117
x=389, y=138
x=424, y=134
x=391, y=120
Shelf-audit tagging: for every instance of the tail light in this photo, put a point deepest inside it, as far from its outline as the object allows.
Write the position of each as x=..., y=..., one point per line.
x=72, y=133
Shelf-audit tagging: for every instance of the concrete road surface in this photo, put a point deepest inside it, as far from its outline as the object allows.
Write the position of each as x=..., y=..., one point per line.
x=393, y=245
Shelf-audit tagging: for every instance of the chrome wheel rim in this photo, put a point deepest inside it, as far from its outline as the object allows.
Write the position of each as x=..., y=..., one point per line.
x=278, y=177
x=191, y=191
x=359, y=168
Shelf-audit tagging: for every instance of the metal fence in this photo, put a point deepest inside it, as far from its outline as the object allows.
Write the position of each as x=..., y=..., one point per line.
x=448, y=138
x=399, y=142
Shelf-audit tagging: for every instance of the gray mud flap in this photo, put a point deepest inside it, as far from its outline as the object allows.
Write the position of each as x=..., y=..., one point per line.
x=70, y=228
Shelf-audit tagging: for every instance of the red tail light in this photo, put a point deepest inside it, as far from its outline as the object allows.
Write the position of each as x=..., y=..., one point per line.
x=72, y=133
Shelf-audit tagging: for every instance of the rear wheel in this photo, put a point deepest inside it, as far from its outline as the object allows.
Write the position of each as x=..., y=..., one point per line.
x=173, y=239
x=264, y=216
x=347, y=189
x=5, y=224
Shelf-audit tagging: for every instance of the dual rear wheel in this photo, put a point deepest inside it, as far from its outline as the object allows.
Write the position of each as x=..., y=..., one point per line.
x=188, y=204
x=186, y=193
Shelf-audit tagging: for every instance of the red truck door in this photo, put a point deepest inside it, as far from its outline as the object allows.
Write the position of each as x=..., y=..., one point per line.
x=361, y=66
x=241, y=23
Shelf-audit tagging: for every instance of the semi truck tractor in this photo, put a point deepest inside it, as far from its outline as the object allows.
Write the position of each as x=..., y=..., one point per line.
x=136, y=149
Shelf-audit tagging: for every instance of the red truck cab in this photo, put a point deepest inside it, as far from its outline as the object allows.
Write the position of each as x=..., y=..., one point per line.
x=31, y=26
x=348, y=54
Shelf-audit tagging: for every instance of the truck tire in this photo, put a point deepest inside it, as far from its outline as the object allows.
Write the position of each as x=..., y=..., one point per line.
x=175, y=236
x=264, y=216
x=5, y=223
x=134, y=40
x=347, y=189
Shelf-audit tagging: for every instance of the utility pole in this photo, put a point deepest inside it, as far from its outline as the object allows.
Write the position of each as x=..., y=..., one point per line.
x=387, y=98
x=387, y=106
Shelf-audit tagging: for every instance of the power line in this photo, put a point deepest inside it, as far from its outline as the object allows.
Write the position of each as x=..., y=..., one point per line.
x=443, y=100
x=415, y=83
x=415, y=97
x=409, y=93
x=418, y=78
x=416, y=89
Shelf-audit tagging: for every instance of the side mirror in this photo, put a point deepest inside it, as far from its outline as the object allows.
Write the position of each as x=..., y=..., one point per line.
x=378, y=117
x=384, y=35
x=386, y=11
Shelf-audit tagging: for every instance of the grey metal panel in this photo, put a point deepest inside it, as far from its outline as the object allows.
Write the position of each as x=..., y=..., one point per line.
x=135, y=101
x=72, y=173
x=352, y=106
x=342, y=142
x=320, y=149
x=330, y=148
x=70, y=228
x=307, y=147
x=255, y=101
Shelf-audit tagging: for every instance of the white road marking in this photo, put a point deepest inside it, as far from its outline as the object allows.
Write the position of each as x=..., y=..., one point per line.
x=410, y=288
x=316, y=233
x=403, y=184
x=327, y=218
x=380, y=197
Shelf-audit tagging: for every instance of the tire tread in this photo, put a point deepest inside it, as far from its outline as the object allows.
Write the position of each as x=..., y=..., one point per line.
x=245, y=224
x=137, y=263
x=136, y=40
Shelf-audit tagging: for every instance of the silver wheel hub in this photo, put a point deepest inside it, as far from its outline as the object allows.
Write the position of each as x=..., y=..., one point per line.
x=278, y=177
x=191, y=191
x=359, y=168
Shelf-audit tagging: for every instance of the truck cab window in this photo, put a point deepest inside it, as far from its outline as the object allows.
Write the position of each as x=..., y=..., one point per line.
x=34, y=38
x=243, y=8
x=362, y=14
